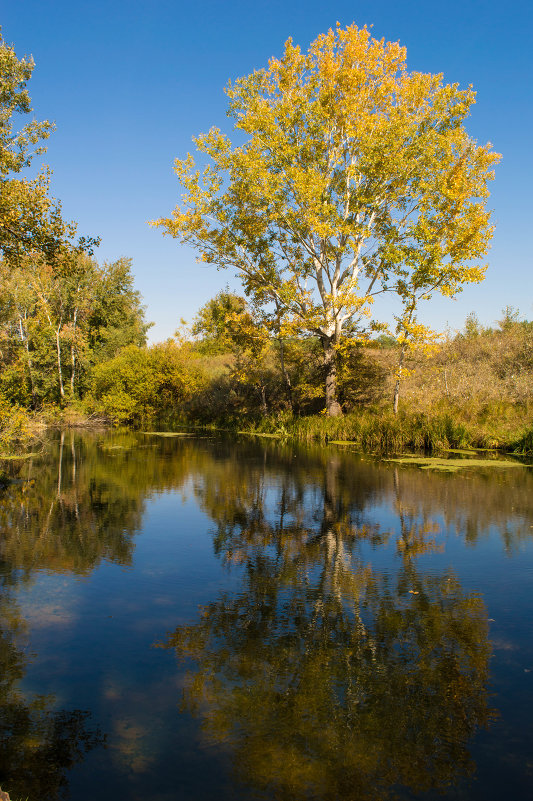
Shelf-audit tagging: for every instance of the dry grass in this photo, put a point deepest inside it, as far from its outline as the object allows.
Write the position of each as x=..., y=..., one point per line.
x=473, y=373
x=474, y=390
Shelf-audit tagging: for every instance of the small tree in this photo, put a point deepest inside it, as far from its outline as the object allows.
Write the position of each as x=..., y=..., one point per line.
x=411, y=337
x=227, y=324
x=510, y=316
x=218, y=322
x=473, y=327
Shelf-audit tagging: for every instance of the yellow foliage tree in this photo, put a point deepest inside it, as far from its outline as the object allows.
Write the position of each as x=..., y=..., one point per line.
x=30, y=220
x=355, y=177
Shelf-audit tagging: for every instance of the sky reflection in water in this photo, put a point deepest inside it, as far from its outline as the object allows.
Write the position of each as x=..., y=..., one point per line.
x=197, y=618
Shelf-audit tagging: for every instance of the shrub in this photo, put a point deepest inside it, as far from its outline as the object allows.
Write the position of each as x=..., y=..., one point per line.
x=141, y=383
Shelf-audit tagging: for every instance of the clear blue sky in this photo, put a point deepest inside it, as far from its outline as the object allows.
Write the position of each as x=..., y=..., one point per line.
x=129, y=82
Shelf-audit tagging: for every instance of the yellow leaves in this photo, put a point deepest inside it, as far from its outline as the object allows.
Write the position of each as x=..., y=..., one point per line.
x=29, y=218
x=352, y=168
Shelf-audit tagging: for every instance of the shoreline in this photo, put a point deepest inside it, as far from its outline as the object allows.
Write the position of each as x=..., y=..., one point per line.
x=375, y=431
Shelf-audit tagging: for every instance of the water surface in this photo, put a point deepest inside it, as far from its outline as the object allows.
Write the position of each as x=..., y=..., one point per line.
x=193, y=618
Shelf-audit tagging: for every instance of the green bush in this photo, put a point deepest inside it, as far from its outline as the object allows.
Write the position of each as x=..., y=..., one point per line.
x=140, y=384
x=17, y=427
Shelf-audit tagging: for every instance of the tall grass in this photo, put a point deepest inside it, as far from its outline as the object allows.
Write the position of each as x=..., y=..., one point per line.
x=381, y=431
x=524, y=445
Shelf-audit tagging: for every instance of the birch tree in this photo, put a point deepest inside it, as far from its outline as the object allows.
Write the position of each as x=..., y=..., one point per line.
x=58, y=321
x=350, y=173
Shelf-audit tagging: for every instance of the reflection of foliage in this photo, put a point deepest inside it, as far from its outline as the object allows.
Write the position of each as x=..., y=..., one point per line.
x=37, y=746
x=69, y=511
x=66, y=517
x=326, y=678
x=316, y=703
x=501, y=502
x=37, y=743
x=324, y=675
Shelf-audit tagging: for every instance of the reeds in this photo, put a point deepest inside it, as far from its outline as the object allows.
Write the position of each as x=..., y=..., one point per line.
x=381, y=431
x=524, y=445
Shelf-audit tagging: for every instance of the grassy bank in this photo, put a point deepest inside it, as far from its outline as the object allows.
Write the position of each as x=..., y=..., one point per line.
x=474, y=390
x=497, y=426
x=377, y=430
x=381, y=431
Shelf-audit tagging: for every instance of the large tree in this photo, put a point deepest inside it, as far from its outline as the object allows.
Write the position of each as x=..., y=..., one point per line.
x=352, y=175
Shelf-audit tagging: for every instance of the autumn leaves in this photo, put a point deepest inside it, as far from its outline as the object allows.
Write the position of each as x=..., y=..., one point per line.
x=356, y=178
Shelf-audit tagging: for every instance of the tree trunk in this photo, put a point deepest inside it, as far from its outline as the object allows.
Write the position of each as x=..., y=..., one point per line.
x=73, y=369
x=59, y=370
x=73, y=355
x=398, y=379
x=285, y=374
x=24, y=340
x=333, y=407
x=264, y=408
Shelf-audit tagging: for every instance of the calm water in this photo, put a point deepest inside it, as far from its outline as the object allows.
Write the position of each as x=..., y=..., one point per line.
x=188, y=618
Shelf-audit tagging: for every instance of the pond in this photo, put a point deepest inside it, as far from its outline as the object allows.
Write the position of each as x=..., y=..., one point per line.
x=199, y=618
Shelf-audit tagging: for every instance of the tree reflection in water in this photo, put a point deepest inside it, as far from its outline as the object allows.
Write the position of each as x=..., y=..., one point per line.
x=38, y=743
x=326, y=677
x=65, y=518
x=325, y=674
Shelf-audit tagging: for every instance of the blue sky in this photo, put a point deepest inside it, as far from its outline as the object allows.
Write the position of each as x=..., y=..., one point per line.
x=129, y=83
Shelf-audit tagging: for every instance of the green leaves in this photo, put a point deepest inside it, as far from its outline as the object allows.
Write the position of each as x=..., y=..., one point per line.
x=16, y=150
x=140, y=383
x=57, y=322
